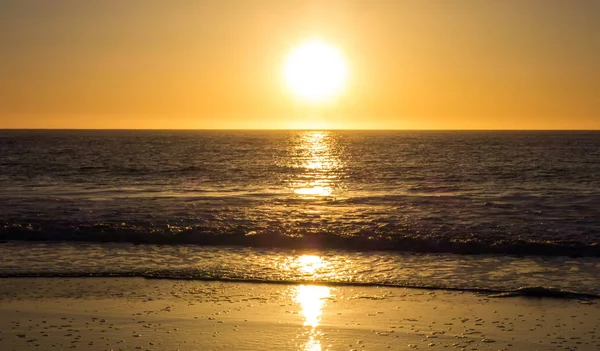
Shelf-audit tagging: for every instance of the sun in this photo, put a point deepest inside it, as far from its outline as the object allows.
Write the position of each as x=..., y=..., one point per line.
x=315, y=72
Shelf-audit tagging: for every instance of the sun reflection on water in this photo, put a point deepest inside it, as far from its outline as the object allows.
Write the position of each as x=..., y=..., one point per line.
x=307, y=268
x=315, y=191
x=317, y=156
x=310, y=263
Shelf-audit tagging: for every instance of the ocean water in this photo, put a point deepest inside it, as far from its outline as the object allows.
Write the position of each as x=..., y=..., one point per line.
x=465, y=210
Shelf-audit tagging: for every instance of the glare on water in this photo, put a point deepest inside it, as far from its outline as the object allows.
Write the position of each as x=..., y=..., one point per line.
x=309, y=267
x=319, y=163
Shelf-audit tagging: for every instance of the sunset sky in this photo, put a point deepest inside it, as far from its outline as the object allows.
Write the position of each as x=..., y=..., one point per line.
x=414, y=64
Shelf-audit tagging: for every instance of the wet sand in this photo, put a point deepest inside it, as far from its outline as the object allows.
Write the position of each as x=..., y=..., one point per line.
x=136, y=313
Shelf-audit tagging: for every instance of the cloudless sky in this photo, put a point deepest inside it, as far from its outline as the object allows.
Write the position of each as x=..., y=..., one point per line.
x=414, y=64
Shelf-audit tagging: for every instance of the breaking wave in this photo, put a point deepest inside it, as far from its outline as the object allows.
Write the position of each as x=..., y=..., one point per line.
x=366, y=239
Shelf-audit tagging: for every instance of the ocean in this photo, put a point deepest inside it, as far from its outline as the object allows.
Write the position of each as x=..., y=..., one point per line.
x=493, y=211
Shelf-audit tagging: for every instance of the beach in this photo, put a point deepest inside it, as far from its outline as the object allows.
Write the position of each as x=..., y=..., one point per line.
x=300, y=175
x=164, y=314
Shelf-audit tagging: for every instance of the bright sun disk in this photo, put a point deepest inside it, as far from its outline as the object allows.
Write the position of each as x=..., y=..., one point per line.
x=315, y=72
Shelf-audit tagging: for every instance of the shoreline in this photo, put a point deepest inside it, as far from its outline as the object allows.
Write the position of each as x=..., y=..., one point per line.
x=160, y=314
x=490, y=274
x=527, y=291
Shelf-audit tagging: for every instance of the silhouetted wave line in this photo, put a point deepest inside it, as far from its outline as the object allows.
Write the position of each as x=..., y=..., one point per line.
x=530, y=291
x=400, y=242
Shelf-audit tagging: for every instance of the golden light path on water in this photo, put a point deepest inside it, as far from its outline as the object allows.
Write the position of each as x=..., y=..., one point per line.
x=319, y=161
x=320, y=165
x=311, y=299
x=308, y=268
x=310, y=263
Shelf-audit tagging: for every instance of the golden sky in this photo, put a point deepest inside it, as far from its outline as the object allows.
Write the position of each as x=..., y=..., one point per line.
x=217, y=64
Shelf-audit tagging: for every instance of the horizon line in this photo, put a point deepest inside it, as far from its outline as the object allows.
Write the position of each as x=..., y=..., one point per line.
x=298, y=129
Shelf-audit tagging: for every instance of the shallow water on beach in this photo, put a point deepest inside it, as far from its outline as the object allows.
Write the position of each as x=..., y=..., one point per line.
x=490, y=273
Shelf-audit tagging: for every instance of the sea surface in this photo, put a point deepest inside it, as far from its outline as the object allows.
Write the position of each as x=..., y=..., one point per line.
x=476, y=210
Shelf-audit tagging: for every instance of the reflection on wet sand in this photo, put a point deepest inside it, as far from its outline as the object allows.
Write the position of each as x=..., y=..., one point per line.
x=311, y=300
